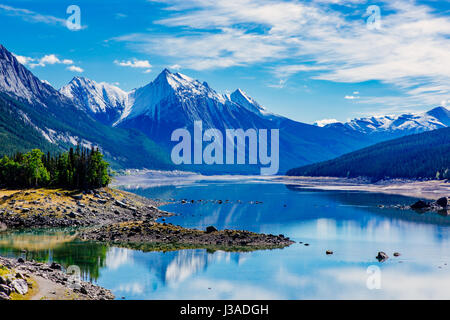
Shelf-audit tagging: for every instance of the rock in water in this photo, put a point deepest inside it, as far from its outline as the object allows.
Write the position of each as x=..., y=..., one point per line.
x=211, y=229
x=442, y=202
x=329, y=252
x=420, y=205
x=381, y=257
x=20, y=286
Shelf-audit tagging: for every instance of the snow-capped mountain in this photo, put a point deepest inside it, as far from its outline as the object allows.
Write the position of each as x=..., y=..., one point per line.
x=35, y=115
x=390, y=126
x=174, y=100
x=103, y=101
x=16, y=80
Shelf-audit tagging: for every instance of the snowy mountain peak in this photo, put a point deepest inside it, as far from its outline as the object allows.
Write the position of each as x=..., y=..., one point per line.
x=103, y=100
x=18, y=81
x=242, y=99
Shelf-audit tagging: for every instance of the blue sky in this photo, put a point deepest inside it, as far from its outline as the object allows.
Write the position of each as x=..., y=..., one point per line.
x=308, y=60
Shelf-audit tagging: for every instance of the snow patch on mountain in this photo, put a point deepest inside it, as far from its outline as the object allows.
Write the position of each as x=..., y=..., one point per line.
x=100, y=99
x=172, y=88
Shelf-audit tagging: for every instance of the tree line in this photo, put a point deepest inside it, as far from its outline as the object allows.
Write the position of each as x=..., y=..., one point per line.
x=77, y=169
x=420, y=156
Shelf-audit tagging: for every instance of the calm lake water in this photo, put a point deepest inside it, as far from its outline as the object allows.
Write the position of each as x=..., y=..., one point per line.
x=349, y=223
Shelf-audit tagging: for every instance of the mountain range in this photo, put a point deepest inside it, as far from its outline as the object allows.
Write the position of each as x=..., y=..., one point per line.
x=387, y=127
x=34, y=114
x=134, y=128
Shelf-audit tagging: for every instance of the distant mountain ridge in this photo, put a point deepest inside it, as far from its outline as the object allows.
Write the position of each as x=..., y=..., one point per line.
x=388, y=127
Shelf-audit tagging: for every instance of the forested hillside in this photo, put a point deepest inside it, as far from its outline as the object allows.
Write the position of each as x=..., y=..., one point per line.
x=424, y=155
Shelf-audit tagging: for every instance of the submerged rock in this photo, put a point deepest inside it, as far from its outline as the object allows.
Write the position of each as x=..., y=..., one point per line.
x=420, y=205
x=443, y=202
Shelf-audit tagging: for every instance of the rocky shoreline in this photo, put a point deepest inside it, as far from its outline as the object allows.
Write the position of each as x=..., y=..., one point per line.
x=149, y=235
x=108, y=216
x=39, y=208
x=30, y=280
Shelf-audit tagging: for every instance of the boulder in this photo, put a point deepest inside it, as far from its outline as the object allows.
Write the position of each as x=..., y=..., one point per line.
x=77, y=196
x=120, y=204
x=443, y=202
x=5, y=289
x=55, y=266
x=20, y=286
x=381, y=257
x=211, y=229
x=420, y=205
x=3, y=296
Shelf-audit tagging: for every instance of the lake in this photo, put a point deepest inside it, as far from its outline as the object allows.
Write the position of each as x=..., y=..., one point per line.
x=351, y=224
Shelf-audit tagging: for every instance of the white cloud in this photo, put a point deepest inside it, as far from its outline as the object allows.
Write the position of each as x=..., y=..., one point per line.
x=411, y=51
x=351, y=97
x=75, y=69
x=23, y=60
x=134, y=63
x=48, y=59
x=175, y=67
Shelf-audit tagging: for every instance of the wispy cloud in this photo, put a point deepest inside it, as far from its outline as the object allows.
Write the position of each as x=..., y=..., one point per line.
x=31, y=16
x=135, y=63
x=411, y=51
x=34, y=17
